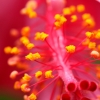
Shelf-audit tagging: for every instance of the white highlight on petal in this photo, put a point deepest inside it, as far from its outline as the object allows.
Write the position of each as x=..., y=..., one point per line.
x=98, y=0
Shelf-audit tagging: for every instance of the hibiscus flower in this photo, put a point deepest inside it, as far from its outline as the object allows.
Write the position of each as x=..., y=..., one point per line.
x=57, y=50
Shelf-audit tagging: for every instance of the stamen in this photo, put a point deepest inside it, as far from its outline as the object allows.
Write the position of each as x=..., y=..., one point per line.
x=13, y=74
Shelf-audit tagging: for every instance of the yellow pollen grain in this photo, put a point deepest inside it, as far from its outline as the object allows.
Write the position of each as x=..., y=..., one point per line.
x=26, y=78
x=32, y=97
x=89, y=35
x=7, y=49
x=33, y=14
x=40, y=36
x=86, y=42
x=80, y=8
x=72, y=8
x=24, y=40
x=57, y=17
x=92, y=45
x=14, y=50
x=57, y=24
x=73, y=18
x=48, y=74
x=62, y=19
x=24, y=87
x=32, y=56
x=86, y=16
x=38, y=74
x=89, y=22
x=97, y=36
x=30, y=12
x=70, y=48
x=59, y=21
x=25, y=31
x=30, y=46
x=66, y=11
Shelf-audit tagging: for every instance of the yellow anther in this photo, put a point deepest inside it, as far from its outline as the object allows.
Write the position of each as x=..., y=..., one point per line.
x=31, y=4
x=89, y=34
x=72, y=8
x=40, y=36
x=73, y=18
x=97, y=36
x=66, y=11
x=86, y=42
x=48, y=74
x=57, y=17
x=26, y=78
x=25, y=31
x=32, y=97
x=24, y=40
x=24, y=87
x=38, y=74
x=92, y=45
x=28, y=10
x=86, y=16
x=30, y=46
x=29, y=57
x=13, y=74
x=95, y=54
x=14, y=50
x=33, y=57
x=80, y=8
x=17, y=85
x=70, y=48
x=89, y=22
x=7, y=50
x=32, y=14
x=57, y=24
x=62, y=20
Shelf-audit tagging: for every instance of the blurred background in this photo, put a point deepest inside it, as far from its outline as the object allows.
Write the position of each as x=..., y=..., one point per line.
x=10, y=18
